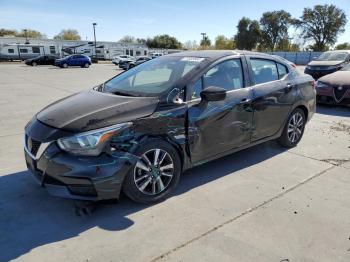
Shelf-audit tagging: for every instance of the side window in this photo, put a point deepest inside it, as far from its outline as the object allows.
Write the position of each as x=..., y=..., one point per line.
x=23, y=50
x=11, y=51
x=282, y=70
x=196, y=89
x=264, y=70
x=227, y=75
x=36, y=50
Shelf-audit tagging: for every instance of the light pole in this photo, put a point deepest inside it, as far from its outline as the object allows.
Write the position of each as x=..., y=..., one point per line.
x=25, y=34
x=95, y=24
x=204, y=36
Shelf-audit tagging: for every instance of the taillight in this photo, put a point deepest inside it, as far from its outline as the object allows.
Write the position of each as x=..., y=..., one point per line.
x=314, y=84
x=294, y=65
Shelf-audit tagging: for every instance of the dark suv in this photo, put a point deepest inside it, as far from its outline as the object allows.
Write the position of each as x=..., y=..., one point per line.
x=138, y=131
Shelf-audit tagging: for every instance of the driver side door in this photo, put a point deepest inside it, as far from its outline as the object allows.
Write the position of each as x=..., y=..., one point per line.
x=218, y=126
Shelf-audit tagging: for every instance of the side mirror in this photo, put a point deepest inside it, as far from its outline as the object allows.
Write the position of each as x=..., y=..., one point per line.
x=213, y=93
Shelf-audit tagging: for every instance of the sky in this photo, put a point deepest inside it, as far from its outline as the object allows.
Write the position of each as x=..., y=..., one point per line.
x=185, y=20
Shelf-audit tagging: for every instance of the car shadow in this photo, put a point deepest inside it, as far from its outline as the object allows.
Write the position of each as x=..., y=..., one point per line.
x=30, y=218
x=333, y=110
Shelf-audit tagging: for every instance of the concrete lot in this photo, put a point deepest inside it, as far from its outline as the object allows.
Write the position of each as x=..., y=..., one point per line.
x=262, y=204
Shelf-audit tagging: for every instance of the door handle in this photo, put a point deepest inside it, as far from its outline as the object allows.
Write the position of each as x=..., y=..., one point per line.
x=245, y=101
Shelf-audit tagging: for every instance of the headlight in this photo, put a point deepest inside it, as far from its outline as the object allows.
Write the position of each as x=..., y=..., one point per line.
x=320, y=84
x=90, y=143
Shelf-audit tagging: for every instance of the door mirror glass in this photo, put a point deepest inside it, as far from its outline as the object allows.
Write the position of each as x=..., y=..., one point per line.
x=213, y=93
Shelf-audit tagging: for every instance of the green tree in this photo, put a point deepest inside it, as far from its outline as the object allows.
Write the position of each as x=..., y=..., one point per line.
x=248, y=34
x=343, y=46
x=128, y=39
x=286, y=45
x=141, y=41
x=205, y=42
x=274, y=28
x=68, y=34
x=163, y=41
x=8, y=32
x=322, y=25
x=30, y=34
x=224, y=43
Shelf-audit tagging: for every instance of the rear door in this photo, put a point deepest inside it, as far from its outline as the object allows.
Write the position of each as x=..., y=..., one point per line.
x=218, y=126
x=274, y=94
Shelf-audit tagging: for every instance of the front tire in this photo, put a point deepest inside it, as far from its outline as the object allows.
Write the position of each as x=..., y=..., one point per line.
x=155, y=176
x=34, y=64
x=294, y=129
x=86, y=65
x=65, y=65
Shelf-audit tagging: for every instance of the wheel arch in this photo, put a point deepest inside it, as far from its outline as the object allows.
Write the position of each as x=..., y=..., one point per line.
x=169, y=140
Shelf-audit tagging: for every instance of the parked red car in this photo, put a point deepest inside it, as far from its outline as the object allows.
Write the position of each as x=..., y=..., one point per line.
x=335, y=88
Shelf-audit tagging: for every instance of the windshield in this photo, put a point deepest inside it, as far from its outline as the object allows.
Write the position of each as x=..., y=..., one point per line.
x=152, y=77
x=332, y=56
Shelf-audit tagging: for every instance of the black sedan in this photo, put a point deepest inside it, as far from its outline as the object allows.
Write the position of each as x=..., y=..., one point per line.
x=41, y=60
x=138, y=61
x=327, y=63
x=139, y=131
x=124, y=64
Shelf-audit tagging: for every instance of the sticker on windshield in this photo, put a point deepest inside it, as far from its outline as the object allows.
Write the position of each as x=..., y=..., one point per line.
x=192, y=59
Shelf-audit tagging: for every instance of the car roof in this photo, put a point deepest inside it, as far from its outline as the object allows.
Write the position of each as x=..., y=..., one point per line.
x=217, y=54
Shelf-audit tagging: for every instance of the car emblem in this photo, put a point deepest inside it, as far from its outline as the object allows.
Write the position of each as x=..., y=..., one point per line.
x=339, y=93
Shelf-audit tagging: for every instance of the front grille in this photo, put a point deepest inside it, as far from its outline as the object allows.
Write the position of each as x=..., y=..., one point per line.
x=339, y=92
x=32, y=145
x=35, y=147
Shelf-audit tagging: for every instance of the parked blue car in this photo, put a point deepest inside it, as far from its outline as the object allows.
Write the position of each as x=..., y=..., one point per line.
x=74, y=60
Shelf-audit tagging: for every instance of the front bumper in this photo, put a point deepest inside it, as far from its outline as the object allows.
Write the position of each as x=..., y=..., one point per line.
x=80, y=177
x=316, y=73
x=327, y=96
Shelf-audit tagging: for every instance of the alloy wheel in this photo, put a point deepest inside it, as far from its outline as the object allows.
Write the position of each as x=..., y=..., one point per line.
x=154, y=171
x=295, y=127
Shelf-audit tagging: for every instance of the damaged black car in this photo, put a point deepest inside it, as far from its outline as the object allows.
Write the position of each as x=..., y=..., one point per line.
x=140, y=130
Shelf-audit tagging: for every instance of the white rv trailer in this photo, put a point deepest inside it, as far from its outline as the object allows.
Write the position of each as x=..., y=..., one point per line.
x=26, y=51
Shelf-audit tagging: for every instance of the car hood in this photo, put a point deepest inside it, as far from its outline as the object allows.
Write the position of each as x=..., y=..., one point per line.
x=325, y=63
x=91, y=109
x=339, y=78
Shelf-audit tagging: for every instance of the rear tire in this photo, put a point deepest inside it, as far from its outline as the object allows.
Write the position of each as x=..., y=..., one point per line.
x=293, y=130
x=156, y=175
x=86, y=65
